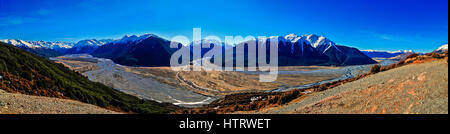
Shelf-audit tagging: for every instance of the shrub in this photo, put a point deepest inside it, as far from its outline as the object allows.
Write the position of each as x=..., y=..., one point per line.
x=436, y=55
x=401, y=63
x=375, y=69
x=288, y=96
x=320, y=88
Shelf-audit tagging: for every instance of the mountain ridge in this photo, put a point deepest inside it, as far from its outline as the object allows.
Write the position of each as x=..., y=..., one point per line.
x=385, y=54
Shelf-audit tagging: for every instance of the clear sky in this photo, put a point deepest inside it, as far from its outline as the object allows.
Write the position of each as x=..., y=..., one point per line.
x=420, y=25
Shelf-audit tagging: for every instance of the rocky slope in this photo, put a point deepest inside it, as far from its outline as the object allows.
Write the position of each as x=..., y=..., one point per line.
x=415, y=88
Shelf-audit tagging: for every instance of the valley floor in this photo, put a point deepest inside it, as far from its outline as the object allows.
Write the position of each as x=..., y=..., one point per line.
x=411, y=89
x=12, y=103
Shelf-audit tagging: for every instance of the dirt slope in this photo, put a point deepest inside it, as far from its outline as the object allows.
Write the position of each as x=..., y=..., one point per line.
x=12, y=103
x=415, y=88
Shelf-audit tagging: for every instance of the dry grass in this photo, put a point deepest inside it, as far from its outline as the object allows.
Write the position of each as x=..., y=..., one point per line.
x=227, y=81
x=302, y=79
x=305, y=68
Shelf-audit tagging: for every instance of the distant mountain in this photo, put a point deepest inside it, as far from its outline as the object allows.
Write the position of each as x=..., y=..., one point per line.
x=151, y=50
x=27, y=73
x=385, y=54
x=294, y=50
x=42, y=48
x=58, y=46
x=318, y=50
x=53, y=49
x=20, y=43
x=442, y=49
x=86, y=46
x=38, y=44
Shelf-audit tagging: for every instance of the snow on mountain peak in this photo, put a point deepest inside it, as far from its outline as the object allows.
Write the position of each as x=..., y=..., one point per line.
x=38, y=44
x=291, y=37
x=135, y=38
x=92, y=42
x=20, y=43
x=443, y=48
x=313, y=38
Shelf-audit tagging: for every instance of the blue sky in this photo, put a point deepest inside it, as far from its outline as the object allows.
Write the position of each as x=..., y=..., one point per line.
x=420, y=25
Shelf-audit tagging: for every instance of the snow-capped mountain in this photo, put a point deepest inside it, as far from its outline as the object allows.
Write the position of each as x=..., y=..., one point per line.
x=38, y=44
x=92, y=42
x=144, y=50
x=318, y=42
x=46, y=48
x=42, y=48
x=134, y=39
x=315, y=50
x=442, y=49
x=385, y=54
x=87, y=46
x=106, y=41
x=151, y=50
x=20, y=43
x=53, y=45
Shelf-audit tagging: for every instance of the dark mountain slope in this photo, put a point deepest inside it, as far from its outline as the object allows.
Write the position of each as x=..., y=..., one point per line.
x=45, y=52
x=151, y=51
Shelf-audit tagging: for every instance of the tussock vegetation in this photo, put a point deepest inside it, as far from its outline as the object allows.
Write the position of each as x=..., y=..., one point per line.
x=27, y=73
x=245, y=101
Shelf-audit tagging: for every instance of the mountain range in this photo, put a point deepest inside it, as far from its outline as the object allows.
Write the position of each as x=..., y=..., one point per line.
x=385, y=54
x=144, y=50
x=317, y=50
x=442, y=49
x=53, y=49
x=152, y=50
x=87, y=46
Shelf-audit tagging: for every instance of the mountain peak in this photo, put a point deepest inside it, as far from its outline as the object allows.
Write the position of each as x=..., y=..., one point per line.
x=20, y=43
x=135, y=38
x=89, y=42
x=291, y=36
x=442, y=48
